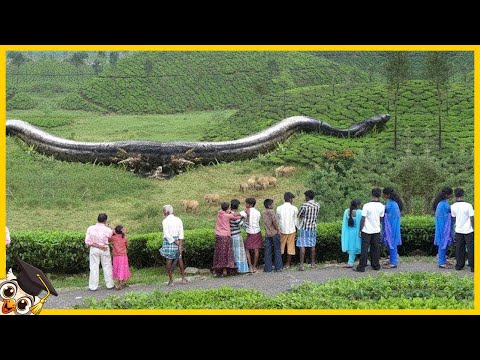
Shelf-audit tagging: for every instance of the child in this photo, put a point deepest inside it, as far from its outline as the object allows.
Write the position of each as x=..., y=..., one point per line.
x=121, y=272
x=254, y=237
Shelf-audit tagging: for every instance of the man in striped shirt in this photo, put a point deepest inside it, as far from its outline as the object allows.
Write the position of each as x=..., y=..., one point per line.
x=307, y=236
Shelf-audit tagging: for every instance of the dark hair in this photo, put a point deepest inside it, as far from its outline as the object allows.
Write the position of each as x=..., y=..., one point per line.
x=393, y=196
x=251, y=201
x=118, y=230
x=353, y=206
x=376, y=192
x=102, y=217
x=309, y=194
x=288, y=196
x=441, y=196
x=459, y=192
x=267, y=203
x=234, y=204
x=224, y=206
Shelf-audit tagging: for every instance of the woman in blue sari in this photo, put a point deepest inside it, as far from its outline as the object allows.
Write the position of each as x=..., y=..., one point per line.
x=443, y=225
x=351, y=242
x=391, y=225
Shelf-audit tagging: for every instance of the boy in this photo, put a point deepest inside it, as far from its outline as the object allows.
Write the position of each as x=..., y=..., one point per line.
x=462, y=216
x=272, y=238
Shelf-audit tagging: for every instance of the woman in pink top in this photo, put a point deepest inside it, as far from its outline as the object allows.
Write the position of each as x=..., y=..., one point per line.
x=223, y=257
x=121, y=271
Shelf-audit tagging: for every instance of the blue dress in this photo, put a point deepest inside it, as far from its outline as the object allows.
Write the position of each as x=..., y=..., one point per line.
x=351, y=242
x=443, y=225
x=391, y=228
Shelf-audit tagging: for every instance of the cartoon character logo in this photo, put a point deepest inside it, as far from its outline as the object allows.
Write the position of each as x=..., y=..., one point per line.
x=19, y=294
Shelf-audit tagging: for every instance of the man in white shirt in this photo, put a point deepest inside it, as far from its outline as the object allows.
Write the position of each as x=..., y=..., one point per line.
x=370, y=231
x=462, y=216
x=172, y=246
x=288, y=221
x=97, y=240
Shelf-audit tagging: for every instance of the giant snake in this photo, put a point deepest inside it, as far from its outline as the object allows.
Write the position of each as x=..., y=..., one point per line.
x=160, y=153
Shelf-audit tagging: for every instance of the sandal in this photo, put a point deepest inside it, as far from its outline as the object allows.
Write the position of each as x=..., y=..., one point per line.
x=313, y=266
x=389, y=266
x=118, y=287
x=445, y=266
x=348, y=266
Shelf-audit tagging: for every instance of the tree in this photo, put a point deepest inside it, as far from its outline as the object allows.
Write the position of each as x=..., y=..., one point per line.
x=114, y=55
x=17, y=58
x=78, y=58
x=397, y=68
x=438, y=72
x=97, y=66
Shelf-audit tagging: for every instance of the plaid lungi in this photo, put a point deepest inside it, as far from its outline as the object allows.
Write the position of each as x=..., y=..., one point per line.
x=307, y=238
x=169, y=250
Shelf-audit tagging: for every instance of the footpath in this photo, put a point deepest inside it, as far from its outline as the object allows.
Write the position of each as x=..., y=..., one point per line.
x=268, y=283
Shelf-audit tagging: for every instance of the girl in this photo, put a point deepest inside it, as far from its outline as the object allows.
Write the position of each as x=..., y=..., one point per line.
x=391, y=225
x=121, y=272
x=351, y=241
x=443, y=225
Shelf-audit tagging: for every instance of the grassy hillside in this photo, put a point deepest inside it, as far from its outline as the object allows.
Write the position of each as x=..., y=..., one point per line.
x=169, y=82
x=417, y=120
x=47, y=76
x=373, y=63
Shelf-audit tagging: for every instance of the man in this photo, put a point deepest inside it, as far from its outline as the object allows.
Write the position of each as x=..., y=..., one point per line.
x=97, y=240
x=172, y=246
x=370, y=231
x=462, y=216
x=307, y=237
x=287, y=219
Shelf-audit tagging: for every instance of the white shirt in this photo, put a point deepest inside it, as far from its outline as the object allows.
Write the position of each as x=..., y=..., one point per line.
x=253, y=224
x=172, y=228
x=462, y=211
x=287, y=218
x=372, y=212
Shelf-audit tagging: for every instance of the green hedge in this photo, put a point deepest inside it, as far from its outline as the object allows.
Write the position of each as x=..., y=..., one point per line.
x=385, y=291
x=65, y=252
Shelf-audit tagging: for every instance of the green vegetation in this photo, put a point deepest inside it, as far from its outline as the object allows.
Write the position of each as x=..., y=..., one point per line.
x=145, y=276
x=64, y=252
x=385, y=291
x=248, y=91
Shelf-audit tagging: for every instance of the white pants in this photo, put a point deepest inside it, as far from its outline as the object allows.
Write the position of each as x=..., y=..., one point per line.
x=98, y=256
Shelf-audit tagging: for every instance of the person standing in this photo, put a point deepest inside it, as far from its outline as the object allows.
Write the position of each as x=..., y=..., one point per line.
x=372, y=212
x=121, y=270
x=272, y=238
x=288, y=221
x=443, y=225
x=391, y=225
x=254, y=236
x=351, y=240
x=307, y=237
x=223, y=258
x=462, y=215
x=237, y=241
x=172, y=246
x=97, y=240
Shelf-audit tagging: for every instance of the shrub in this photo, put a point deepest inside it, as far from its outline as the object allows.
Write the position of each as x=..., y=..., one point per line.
x=21, y=101
x=65, y=252
x=385, y=291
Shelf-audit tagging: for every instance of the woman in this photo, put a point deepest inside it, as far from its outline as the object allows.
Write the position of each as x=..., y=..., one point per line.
x=443, y=225
x=391, y=225
x=351, y=242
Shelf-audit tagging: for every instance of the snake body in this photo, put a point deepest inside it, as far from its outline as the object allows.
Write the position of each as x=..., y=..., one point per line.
x=160, y=153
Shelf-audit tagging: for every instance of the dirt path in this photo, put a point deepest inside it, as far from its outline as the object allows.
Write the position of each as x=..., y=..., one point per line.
x=269, y=283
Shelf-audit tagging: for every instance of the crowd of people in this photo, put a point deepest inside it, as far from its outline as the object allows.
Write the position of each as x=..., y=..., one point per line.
x=364, y=229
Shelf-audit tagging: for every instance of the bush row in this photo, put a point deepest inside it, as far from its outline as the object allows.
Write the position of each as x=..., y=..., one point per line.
x=385, y=291
x=65, y=252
